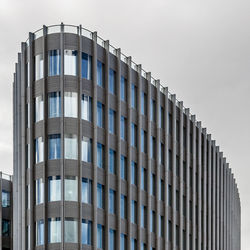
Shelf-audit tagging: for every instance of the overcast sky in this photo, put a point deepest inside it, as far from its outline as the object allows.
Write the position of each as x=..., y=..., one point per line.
x=199, y=49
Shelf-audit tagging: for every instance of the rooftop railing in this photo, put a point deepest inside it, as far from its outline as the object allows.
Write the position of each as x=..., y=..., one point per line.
x=100, y=41
x=6, y=176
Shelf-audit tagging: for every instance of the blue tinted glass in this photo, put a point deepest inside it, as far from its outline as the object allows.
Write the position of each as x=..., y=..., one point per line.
x=133, y=211
x=54, y=64
x=123, y=89
x=86, y=232
x=54, y=104
x=123, y=242
x=123, y=206
x=100, y=73
x=112, y=81
x=111, y=239
x=133, y=96
x=86, y=190
x=122, y=127
x=100, y=236
x=123, y=167
x=111, y=201
x=111, y=121
x=86, y=66
x=142, y=103
x=133, y=134
x=100, y=115
x=133, y=173
x=54, y=147
x=100, y=195
x=100, y=155
x=111, y=161
x=133, y=244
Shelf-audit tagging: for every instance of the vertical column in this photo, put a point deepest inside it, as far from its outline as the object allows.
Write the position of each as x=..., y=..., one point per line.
x=45, y=116
x=181, y=179
x=224, y=205
x=148, y=158
x=217, y=173
x=94, y=82
x=139, y=158
x=31, y=141
x=166, y=136
x=158, y=179
x=199, y=195
x=106, y=84
x=213, y=194
x=80, y=134
x=209, y=188
x=221, y=200
x=193, y=160
x=62, y=132
x=173, y=99
x=204, y=163
x=129, y=196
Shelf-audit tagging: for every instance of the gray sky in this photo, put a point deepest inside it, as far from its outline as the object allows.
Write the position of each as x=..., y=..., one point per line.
x=199, y=49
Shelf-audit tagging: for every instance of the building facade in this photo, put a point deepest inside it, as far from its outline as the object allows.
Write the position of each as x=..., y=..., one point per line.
x=106, y=158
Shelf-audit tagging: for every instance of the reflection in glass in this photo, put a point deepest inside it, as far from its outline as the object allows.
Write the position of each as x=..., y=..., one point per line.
x=70, y=147
x=54, y=62
x=39, y=66
x=70, y=230
x=38, y=108
x=70, y=62
x=70, y=188
x=54, y=230
x=54, y=147
x=54, y=104
x=39, y=149
x=70, y=104
x=54, y=188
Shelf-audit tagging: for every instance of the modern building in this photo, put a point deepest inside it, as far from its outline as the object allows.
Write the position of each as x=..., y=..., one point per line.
x=106, y=158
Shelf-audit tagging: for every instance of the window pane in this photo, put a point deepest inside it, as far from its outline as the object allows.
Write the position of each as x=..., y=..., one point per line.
x=54, y=104
x=54, y=188
x=111, y=239
x=111, y=161
x=86, y=149
x=133, y=211
x=123, y=242
x=133, y=135
x=111, y=121
x=70, y=147
x=86, y=108
x=54, y=230
x=39, y=232
x=54, y=62
x=111, y=201
x=100, y=117
x=123, y=128
x=86, y=190
x=133, y=173
x=123, y=206
x=100, y=236
x=70, y=188
x=123, y=168
x=38, y=108
x=70, y=62
x=70, y=230
x=100, y=155
x=6, y=228
x=86, y=66
x=133, y=96
x=86, y=232
x=123, y=89
x=100, y=73
x=70, y=104
x=54, y=148
x=100, y=196
x=39, y=149
x=112, y=81
x=5, y=199
x=39, y=66
x=39, y=191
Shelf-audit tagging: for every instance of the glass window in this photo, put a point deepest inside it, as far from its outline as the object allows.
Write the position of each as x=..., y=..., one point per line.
x=133, y=96
x=54, y=62
x=161, y=154
x=70, y=230
x=39, y=66
x=143, y=216
x=111, y=121
x=123, y=128
x=70, y=147
x=54, y=188
x=133, y=173
x=86, y=190
x=123, y=242
x=70, y=188
x=39, y=232
x=170, y=125
x=39, y=191
x=162, y=190
x=111, y=201
x=153, y=110
x=112, y=84
x=38, y=108
x=100, y=236
x=123, y=206
x=111, y=239
x=170, y=160
x=152, y=221
x=133, y=244
x=54, y=149
x=86, y=108
x=5, y=199
x=152, y=148
x=100, y=73
x=54, y=104
x=70, y=62
x=100, y=115
x=86, y=149
x=100, y=155
x=86, y=66
x=123, y=167
x=162, y=117
x=161, y=226
x=152, y=184
x=143, y=141
x=143, y=179
x=112, y=161
x=123, y=89
x=133, y=211
x=133, y=135
x=170, y=231
x=100, y=196
x=54, y=230
x=6, y=228
x=39, y=149
x=169, y=195
x=143, y=246
x=86, y=232
x=70, y=104
x=143, y=103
